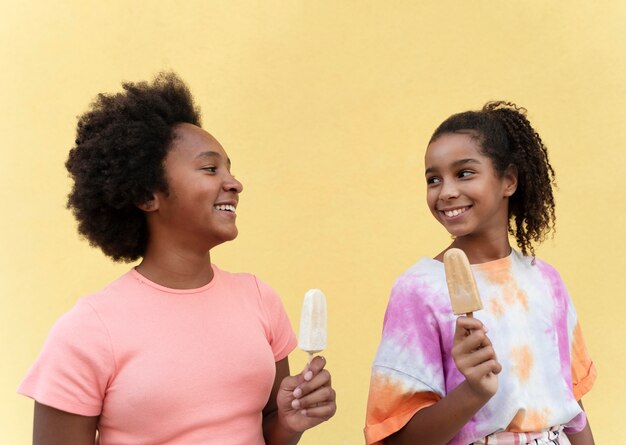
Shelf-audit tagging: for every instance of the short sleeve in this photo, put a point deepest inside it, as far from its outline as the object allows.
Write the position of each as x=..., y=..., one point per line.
x=408, y=373
x=73, y=369
x=583, y=369
x=390, y=407
x=282, y=338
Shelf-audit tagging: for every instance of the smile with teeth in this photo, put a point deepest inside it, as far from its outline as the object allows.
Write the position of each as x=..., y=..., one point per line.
x=455, y=212
x=225, y=207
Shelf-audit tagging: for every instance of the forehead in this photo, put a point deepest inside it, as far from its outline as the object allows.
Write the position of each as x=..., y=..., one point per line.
x=191, y=142
x=451, y=147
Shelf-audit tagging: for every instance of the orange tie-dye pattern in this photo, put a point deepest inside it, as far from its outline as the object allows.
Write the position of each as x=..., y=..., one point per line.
x=389, y=408
x=495, y=307
x=522, y=360
x=508, y=287
x=583, y=370
x=522, y=298
x=499, y=276
x=511, y=294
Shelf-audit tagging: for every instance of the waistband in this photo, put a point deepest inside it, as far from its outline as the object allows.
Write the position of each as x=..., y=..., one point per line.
x=553, y=436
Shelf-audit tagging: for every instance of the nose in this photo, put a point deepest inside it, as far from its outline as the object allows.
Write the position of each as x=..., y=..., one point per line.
x=448, y=191
x=232, y=185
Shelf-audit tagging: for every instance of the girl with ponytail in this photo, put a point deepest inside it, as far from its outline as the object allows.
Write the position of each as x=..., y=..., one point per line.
x=517, y=371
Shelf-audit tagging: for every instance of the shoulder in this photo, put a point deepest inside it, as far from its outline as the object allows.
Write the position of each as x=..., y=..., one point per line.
x=119, y=288
x=419, y=289
x=538, y=266
x=263, y=300
x=425, y=275
x=81, y=336
x=544, y=278
x=100, y=311
x=82, y=317
x=424, y=270
x=527, y=261
x=88, y=307
x=247, y=283
x=237, y=279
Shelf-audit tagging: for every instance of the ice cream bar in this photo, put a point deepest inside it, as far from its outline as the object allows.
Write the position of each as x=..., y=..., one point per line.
x=313, y=323
x=464, y=296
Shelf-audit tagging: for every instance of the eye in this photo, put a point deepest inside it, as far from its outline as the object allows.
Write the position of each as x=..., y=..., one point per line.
x=432, y=180
x=465, y=173
x=210, y=169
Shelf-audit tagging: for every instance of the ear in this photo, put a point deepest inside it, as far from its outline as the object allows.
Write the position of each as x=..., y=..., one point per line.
x=150, y=205
x=510, y=180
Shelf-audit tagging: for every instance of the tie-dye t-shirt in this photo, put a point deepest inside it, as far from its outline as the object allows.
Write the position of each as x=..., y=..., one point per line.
x=532, y=324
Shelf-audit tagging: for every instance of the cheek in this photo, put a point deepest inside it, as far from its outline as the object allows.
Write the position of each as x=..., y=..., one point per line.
x=431, y=199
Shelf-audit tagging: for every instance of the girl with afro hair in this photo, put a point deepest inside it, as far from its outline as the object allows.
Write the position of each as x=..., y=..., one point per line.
x=175, y=351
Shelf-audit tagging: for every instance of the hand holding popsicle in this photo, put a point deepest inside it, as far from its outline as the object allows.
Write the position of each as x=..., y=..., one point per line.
x=475, y=357
x=308, y=399
x=473, y=352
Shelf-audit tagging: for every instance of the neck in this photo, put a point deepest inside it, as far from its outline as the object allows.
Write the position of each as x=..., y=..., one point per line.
x=176, y=269
x=482, y=250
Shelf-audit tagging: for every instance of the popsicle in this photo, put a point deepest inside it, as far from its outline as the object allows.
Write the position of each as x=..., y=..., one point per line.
x=313, y=329
x=464, y=296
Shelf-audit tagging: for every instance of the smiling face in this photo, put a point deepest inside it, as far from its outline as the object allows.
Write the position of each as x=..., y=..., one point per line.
x=464, y=191
x=199, y=209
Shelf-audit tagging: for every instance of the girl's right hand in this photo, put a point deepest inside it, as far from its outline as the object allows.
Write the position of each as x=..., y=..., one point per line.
x=475, y=357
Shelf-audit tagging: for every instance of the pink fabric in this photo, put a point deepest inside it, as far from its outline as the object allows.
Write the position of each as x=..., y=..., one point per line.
x=167, y=366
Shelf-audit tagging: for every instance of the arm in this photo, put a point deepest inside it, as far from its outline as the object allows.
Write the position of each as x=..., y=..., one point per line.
x=56, y=427
x=297, y=403
x=584, y=437
x=476, y=360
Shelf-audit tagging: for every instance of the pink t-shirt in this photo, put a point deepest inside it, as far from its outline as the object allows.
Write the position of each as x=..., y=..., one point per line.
x=167, y=366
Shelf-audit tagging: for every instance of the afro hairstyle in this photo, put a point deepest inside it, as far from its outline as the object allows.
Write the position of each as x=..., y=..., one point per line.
x=117, y=162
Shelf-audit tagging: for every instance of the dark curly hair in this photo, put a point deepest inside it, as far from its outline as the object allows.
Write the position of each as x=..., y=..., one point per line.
x=117, y=162
x=506, y=136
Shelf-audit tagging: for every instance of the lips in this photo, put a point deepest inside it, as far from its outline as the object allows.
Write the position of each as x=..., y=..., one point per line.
x=451, y=213
x=225, y=207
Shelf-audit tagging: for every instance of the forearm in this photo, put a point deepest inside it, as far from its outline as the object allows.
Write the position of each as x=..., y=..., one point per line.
x=584, y=437
x=438, y=423
x=277, y=434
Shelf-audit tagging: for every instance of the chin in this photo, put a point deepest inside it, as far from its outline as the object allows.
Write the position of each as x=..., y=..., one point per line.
x=457, y=233
x=230, y=236
x=222, y=238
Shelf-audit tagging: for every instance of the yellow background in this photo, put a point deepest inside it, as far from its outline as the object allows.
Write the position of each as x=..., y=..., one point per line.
x=325, y=108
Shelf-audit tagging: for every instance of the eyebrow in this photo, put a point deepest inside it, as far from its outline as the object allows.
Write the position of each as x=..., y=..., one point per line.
x=457, y=164
x=212, y=154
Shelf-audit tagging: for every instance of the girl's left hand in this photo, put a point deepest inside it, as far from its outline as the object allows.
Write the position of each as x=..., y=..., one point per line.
x=307, y=399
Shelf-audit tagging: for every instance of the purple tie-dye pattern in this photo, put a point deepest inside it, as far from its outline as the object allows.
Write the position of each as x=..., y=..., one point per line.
x=410, y=319
x=419, y=323
x=468, y=434
x=577, y=424
x=559, y=316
